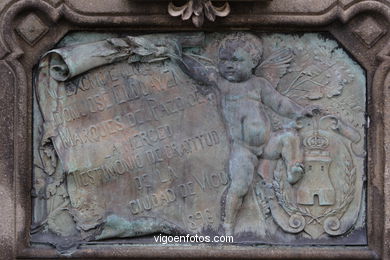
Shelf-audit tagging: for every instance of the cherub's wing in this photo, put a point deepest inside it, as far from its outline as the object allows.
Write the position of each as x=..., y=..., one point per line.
x=275, y=66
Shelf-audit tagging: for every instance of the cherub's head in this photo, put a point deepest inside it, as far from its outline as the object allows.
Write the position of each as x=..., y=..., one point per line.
x=239, y=54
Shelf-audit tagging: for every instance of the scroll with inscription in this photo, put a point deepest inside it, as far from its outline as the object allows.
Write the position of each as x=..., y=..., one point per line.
x=256, y=136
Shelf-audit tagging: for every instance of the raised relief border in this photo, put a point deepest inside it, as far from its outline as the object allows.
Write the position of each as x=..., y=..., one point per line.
x=123, y=125
x=126, y=106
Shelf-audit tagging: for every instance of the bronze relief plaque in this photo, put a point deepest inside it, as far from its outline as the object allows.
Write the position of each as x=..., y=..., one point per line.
x=251, y=135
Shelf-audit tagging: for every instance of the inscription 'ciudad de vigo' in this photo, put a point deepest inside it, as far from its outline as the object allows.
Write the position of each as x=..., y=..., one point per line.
x=256, y=136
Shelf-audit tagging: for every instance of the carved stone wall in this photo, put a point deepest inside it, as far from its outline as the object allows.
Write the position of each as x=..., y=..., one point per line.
x=31, y=28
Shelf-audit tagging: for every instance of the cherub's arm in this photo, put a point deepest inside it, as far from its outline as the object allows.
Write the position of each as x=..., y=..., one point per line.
x=281, y=104
x=206, y=75
x=198, y=71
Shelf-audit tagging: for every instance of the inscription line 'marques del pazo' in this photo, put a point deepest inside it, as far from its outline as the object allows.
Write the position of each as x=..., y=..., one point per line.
x=259, y=136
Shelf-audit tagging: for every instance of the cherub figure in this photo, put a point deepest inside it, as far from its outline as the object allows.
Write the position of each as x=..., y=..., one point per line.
x=243, y=97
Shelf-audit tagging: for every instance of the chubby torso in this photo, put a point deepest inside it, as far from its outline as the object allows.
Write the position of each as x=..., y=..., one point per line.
x=243, y=110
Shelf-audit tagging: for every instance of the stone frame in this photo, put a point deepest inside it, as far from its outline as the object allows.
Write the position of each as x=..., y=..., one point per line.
x=344, y=19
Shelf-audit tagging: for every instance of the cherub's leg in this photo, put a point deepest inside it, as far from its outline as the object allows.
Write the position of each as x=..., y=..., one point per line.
x=241, y=169
x=287, y=145
x=266, y=169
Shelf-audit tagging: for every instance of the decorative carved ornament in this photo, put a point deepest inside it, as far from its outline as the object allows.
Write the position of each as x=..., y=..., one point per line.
x=197, y=10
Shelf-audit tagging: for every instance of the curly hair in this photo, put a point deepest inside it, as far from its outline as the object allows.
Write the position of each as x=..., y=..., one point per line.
x=249, y=42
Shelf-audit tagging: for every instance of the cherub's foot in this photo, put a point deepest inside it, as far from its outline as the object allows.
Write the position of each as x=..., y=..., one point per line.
x=295, y=173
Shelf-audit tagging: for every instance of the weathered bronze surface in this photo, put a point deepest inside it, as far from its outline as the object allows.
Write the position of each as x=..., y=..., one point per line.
x=31, y=28
x=259, y=137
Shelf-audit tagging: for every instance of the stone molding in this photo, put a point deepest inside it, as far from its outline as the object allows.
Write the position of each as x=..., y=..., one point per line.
x=20, y=50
